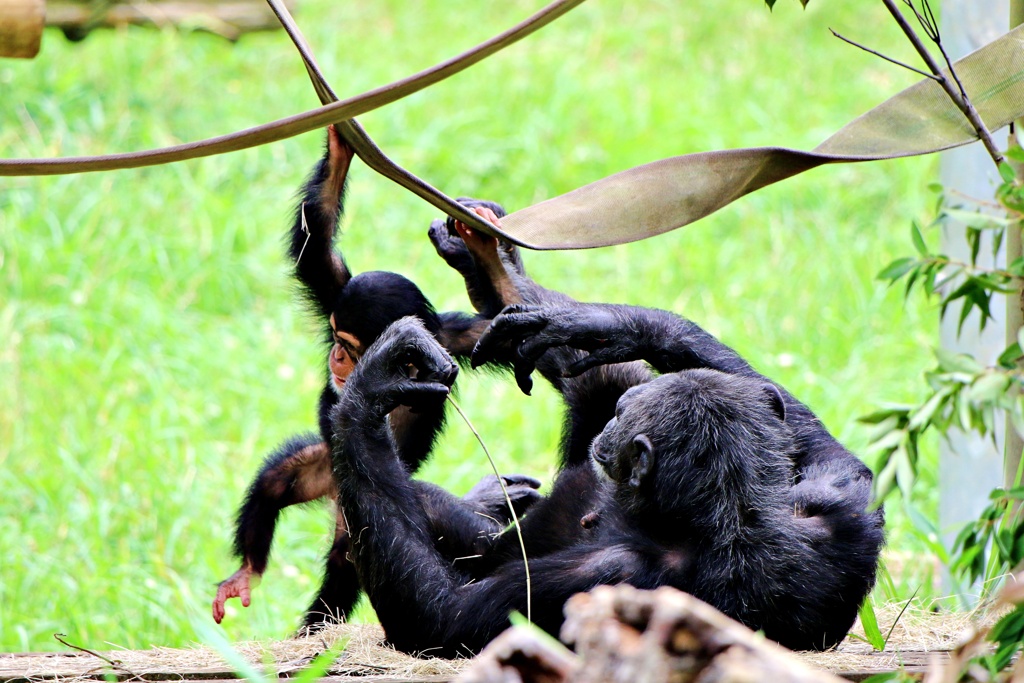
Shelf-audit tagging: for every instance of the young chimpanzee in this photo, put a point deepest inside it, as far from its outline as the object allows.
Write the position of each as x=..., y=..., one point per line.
x=708, y=478
x=357, y=310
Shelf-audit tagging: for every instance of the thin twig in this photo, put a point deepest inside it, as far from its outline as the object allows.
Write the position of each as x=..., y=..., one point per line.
x=930, y=26
x=888, y=59
x=508, y=500
x=959, y=98
x=112, y=662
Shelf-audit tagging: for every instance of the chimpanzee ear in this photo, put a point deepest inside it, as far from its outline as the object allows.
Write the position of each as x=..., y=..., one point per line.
x=775, y=400
x=640, y=452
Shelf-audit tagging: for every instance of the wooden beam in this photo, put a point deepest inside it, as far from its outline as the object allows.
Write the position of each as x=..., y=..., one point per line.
x=21, y=27
x=228, y=18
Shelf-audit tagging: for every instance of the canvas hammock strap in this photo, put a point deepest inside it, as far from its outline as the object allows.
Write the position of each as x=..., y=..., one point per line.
x=296, y=124
x=360, y=141
x=664, y=195
x=647, y=200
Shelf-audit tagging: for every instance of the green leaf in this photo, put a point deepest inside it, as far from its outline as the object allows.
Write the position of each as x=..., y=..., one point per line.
x=965, y=539
x=519, y=621
x=1016, y=267
x=885, y=481
x=989, y=387
x=905, y=472
x=918, y=239
x=869, y=622
x=1004, y=543
x=1015, y=153
x=923, y=415
x=887, y=677
x=1008, y=358
x=880, y=416
x=997, y=243
x=964, y=414
x=911, y=279
x=1006, y=172
x=975, y=219
x=888, y=441
x=966, y=562
x=318, y=668
x=897, y=269
x=882, y=428
x=770, y=3
x=974, y=239
x=951, y=361
x=215, y=638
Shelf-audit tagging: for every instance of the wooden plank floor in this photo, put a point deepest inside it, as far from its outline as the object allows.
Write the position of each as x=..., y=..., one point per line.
x=48, y=666
x=915, y=643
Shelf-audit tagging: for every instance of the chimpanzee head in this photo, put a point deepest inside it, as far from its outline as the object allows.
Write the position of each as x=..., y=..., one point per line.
x=365, y=307
x=683, y=438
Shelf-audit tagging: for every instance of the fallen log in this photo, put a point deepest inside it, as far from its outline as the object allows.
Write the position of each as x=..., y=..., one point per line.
x=625, y=635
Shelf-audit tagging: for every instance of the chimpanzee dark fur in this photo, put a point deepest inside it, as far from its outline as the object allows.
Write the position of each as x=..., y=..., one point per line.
x=710, y=480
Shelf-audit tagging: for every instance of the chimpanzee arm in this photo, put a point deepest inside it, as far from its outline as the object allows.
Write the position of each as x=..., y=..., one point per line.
x=422, y=602
x=485, y=263
x=297, y=472
x=617, y=333
x=320, y=270
x=611, y=333
x=460, y=332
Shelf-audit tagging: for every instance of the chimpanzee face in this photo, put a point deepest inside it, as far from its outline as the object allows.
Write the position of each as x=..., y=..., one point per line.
x=622, y=452
x=343, y=356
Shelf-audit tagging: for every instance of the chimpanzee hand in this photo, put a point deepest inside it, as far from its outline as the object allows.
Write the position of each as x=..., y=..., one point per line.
x=450, y=244
x=488, y=497
x=405, y=366
x=450, y=247
x=602, y=329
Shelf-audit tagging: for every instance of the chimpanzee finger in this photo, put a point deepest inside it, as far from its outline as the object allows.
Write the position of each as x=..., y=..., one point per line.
x=518, y=493
x=522, y=370
x=452, y=249
x=438, y=235
x=419, y=395
x=515, y=321
x=594, y=359
x=521, y=480
x=533, y=347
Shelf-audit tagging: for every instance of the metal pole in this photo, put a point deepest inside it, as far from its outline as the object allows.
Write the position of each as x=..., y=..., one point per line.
x=970, y=466
x=1014, y=304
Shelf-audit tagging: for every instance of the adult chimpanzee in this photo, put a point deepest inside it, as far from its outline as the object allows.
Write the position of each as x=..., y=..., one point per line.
x=358, y=309
x=691, y=485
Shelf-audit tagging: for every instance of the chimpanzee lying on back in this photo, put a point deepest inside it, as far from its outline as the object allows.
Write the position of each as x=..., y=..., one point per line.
x=708, y=478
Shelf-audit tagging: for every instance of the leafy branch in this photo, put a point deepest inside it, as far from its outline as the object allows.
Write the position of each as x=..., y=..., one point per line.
x=963, y=394
x=953, y=279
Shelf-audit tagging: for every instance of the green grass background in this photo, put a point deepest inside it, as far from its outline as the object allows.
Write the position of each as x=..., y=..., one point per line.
x=151, y=348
